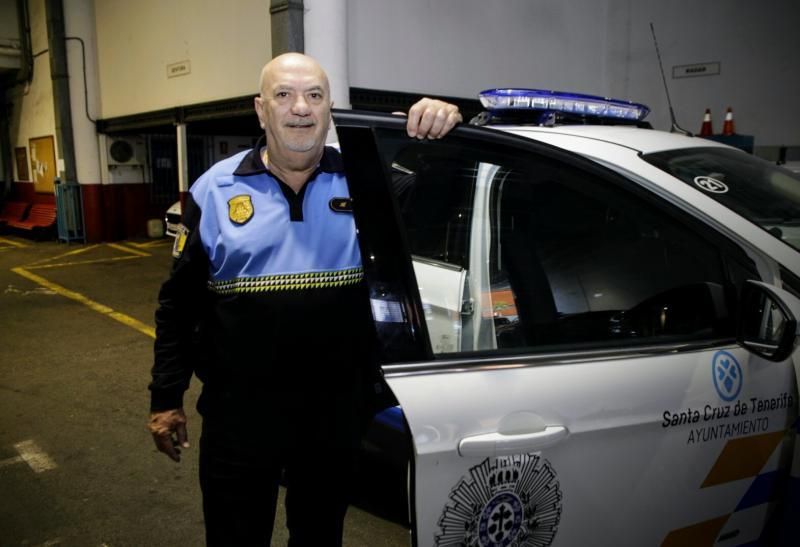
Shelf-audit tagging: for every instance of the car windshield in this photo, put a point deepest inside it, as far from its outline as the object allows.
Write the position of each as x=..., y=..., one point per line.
x=760, y=191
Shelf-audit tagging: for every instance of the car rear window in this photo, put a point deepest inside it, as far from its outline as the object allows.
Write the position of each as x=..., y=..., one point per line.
x=766, y=194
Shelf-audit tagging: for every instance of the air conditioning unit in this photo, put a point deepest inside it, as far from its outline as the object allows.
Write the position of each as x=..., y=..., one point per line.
x=126, y=151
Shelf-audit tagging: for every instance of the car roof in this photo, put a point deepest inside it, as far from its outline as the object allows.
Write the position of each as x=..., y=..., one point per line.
x=639, y=139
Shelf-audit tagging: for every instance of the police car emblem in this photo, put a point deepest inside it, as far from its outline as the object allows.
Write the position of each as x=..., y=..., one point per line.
x=341, y=205
x=512, y=501
x=727, y=374
x=181, y=234
x=240, y=209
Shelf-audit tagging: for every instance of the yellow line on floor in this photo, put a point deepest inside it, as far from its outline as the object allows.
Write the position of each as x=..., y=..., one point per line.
x=127, y=249
x=155, y=243
x=78, y=263
x=62, y=255
x=13, y=243
x=91, y=304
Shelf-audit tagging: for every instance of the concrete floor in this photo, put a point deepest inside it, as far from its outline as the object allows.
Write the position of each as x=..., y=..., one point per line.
x=77, y=465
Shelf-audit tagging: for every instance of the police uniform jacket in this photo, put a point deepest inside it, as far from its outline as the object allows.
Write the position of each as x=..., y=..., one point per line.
x=265, y=298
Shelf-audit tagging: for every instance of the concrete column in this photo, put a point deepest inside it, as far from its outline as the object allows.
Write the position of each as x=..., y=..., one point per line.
x=286, y=20
x=79, y=22
x=326, y=40
x=183, y=161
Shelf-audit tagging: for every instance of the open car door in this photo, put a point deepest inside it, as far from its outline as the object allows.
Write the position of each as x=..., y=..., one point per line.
x=563, y=346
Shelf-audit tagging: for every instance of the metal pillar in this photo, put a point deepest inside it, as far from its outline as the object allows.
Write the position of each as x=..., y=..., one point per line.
x=183, y=162
x=56, y=41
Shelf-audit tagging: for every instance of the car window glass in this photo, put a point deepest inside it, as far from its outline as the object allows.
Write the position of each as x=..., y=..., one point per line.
x=790, y=281
x=517, y=251
x=762, y=192
x=437, y=209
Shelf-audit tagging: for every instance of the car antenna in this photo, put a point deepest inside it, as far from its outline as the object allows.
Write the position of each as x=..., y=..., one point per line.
x=675, y=127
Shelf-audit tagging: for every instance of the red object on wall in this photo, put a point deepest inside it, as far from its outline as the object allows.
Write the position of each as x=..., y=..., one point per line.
x=24, y=191
x=92, y=196
x=112, y=212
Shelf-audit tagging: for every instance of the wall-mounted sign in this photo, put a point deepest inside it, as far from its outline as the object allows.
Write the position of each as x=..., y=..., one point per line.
x=43, y=163
x=697, y=69
x=21, y=155
x=181, y=68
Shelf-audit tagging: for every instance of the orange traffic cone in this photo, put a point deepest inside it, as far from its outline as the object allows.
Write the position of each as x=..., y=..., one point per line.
x=728, y=127
x=706, y=130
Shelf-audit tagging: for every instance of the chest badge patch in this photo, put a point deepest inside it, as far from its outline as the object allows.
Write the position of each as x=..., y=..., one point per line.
x=181, y=235
x=240, y=209
x=341, y=205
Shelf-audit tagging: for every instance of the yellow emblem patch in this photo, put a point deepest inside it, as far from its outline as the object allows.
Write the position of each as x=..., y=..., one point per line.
x=181, y=235
x=240, y=209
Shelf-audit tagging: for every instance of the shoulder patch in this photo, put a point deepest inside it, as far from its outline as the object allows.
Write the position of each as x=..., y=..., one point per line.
x=181, y=235
x=240, y=209
x=341, y=205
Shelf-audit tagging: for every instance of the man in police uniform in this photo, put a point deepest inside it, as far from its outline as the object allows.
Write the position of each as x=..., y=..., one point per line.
x=265, y=303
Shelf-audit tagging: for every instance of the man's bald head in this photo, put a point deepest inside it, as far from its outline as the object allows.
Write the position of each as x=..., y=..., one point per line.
x=294, y=108
x=296, y=63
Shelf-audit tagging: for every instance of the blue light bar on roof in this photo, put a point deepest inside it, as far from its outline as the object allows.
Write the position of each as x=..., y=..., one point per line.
x=496, y=100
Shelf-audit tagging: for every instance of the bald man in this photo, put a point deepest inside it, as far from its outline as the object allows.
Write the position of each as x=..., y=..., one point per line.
x=266, y=304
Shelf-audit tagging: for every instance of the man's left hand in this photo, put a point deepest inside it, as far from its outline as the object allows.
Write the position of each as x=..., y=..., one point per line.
x=432, y=119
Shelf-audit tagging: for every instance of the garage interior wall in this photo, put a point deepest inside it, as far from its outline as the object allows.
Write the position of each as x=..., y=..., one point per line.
x=130, y=49
x=604, y=47
x=222, y=44
x=31, y=110
x=10, y=64
x=153, y=55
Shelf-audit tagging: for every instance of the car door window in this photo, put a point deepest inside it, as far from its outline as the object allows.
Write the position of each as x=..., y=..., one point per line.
x=532, y=252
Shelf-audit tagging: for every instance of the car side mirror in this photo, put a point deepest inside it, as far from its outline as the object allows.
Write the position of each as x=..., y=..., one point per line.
x=767, y=323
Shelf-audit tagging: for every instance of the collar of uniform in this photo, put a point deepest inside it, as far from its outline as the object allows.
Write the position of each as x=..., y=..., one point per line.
x=251, y=164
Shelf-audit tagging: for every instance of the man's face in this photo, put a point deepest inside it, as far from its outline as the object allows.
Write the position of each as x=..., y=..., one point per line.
x=294, y=107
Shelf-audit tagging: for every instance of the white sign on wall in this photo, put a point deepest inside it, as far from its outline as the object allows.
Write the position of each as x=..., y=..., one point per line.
x=697, y=69
x=181, y=68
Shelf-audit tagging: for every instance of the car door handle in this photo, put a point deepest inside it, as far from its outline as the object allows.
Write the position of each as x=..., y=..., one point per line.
x=499, y=444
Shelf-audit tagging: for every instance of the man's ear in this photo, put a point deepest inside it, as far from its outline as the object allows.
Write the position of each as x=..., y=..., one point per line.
x=258, y=104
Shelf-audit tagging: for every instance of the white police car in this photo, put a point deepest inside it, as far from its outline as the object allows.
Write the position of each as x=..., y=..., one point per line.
x=590, y=328
x=172, y=218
